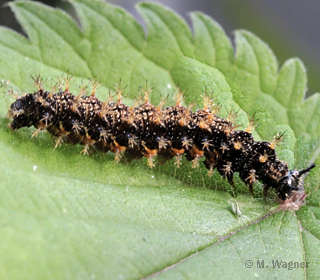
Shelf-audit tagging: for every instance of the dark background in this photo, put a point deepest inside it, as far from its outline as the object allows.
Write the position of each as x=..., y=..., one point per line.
x=290, y=27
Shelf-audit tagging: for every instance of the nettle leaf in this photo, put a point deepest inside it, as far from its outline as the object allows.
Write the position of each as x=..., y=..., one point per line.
x=68, y=216
x=253, y=67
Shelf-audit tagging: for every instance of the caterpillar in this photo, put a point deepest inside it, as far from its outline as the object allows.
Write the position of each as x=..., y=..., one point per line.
x=146, y=130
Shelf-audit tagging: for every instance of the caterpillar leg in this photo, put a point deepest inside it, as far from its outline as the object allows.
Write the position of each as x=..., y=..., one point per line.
x=230, y=181
x=178, y=158
x=250, y=186
x=227, y=172
x=35, y=134
x=250, y=180
x=85, y=151
x=265, y=191
x=248, y=177
x=58, y=142
x=150, y=160
x=211, y=163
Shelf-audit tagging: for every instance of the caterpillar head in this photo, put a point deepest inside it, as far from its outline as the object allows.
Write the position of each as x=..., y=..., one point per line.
x=291, y=182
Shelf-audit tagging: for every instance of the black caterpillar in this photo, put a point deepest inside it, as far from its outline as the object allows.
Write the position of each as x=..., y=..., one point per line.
x=147, y=130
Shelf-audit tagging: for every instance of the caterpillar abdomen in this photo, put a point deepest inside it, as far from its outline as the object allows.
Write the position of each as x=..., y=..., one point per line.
x=147, y=130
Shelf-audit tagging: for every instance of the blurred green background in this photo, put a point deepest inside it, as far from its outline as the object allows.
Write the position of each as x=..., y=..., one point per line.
x=290, y=27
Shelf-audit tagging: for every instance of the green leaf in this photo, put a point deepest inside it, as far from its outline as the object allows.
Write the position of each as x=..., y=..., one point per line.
x=254, y=69
x=64, y=215
x=254, y=245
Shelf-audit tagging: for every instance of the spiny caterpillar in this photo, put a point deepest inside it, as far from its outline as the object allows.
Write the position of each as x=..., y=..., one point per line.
x=146, y=130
